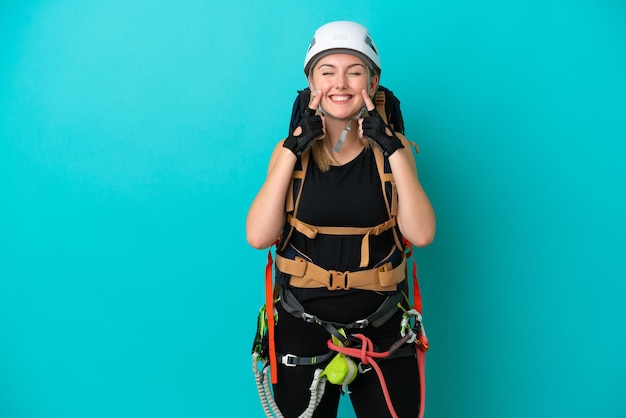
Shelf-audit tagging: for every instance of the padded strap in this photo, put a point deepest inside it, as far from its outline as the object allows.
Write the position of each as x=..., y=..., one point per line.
x=379, y=317
x=291, y=205
x=309, y=275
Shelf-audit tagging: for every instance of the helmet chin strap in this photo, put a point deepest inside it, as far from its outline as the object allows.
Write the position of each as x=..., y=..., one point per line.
x=344, y=133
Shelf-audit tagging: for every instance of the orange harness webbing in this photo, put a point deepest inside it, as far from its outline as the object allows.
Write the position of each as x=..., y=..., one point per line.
x=269, y=312
x=421, y=344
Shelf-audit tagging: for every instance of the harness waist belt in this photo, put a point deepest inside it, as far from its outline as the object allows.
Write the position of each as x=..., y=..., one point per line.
x=379, y=317
x=305, y=274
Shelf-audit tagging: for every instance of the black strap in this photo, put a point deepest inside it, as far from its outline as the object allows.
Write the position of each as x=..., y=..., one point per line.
x=292, y=360
x=384, y=312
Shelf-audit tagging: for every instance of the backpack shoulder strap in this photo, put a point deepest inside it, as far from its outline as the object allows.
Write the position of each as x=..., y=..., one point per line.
x=293, y=196
x=390, y=193
x=389, y=108
x=379, y=101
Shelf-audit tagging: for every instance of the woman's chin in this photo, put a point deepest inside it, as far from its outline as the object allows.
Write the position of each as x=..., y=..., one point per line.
x=342, y=114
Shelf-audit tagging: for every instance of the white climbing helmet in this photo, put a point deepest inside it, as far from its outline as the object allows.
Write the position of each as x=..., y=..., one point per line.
x=342, y=37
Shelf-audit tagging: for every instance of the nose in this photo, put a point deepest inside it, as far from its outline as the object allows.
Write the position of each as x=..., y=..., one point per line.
x=342, y=82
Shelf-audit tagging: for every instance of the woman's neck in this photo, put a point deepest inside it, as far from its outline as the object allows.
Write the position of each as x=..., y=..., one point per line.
x=352, y=145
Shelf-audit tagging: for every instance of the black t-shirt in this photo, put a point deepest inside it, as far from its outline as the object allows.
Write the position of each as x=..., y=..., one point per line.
x=347, y=195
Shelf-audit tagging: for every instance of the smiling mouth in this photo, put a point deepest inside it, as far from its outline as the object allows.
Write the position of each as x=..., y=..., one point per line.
x=340, y=98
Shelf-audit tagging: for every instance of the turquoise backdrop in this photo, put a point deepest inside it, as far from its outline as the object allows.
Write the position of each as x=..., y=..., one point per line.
x=135, y=134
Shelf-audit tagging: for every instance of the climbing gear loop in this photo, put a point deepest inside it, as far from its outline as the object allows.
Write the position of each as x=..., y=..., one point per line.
x=416, y=331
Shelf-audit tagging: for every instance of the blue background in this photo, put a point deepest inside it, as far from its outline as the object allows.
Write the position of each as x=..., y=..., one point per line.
x=134, y=135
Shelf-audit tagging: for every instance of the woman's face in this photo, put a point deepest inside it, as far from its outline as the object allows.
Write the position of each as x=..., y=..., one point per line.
x=340, y=79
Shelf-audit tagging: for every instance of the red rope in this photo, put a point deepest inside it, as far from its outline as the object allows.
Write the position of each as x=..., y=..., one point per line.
x=367, y=355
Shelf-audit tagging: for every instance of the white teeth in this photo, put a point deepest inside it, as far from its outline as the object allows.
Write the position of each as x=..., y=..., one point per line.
x=341, y=98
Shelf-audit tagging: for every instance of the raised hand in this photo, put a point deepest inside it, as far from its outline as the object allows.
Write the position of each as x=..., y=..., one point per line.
x=309, y=128
x=374, y=127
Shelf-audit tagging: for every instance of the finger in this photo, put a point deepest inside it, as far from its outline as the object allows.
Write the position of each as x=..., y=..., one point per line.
x=368, y=101
x=316, y=97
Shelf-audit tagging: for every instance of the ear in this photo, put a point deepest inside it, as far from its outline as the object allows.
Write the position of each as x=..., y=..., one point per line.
x=374, y=84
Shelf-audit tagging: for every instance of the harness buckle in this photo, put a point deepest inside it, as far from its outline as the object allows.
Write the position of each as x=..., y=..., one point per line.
x=360, y=324
x=289, y=360
x=338, y=280
x=307, y=317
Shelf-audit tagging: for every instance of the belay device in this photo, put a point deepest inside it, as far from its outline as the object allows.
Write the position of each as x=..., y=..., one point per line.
x=343, y=362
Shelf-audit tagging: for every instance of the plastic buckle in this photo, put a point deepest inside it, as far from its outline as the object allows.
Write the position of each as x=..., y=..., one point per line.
x=286, y=360
x=338, y=280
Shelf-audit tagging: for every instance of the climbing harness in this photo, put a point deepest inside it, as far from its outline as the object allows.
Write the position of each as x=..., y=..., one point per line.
x=344, y=351
x=350, y=353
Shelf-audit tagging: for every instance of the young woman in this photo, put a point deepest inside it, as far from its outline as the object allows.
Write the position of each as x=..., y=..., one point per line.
x=342, y=232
